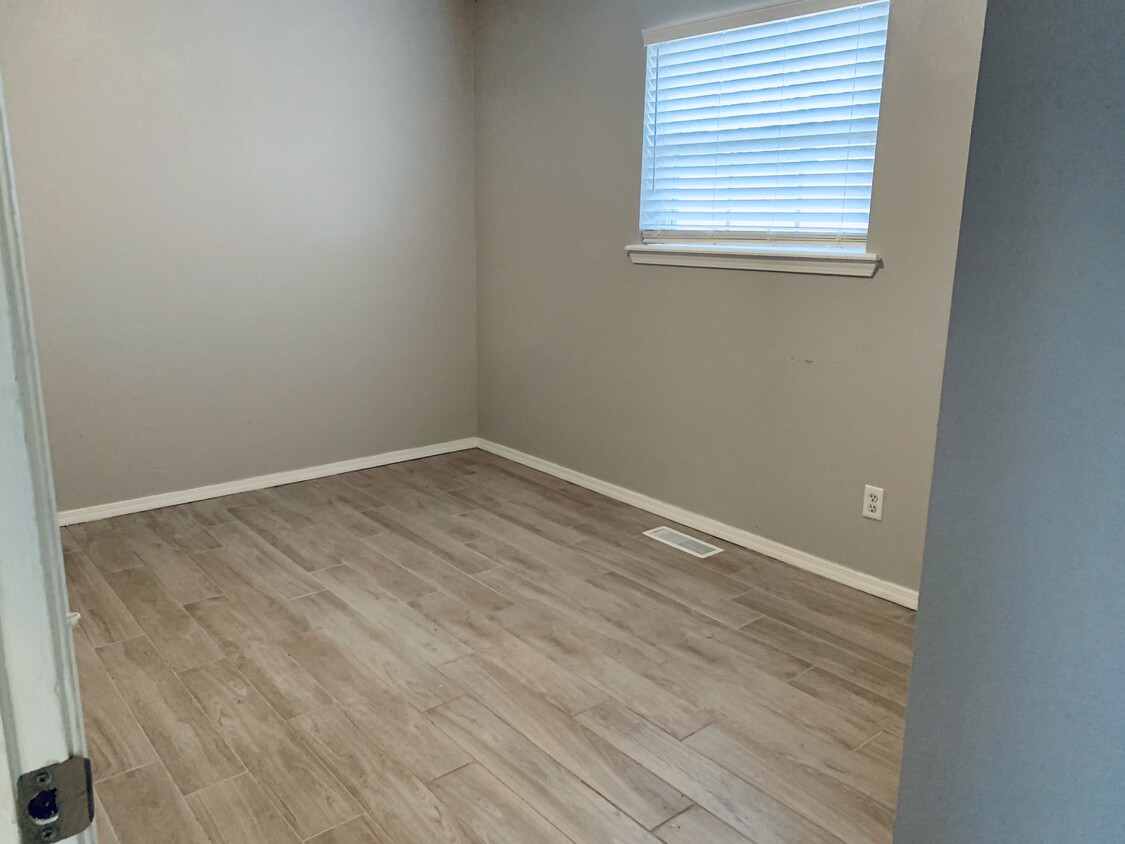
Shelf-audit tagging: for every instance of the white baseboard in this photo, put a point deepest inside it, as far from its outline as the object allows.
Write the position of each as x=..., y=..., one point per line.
x=185, y=496
x=785, y=553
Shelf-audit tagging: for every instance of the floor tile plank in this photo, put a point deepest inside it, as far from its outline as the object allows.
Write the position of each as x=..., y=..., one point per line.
x=417, y=501
x=544, y=543
x=888, y=682
x=696, y=636
x=312, y=547
x=850, y=815
x=102, y=826
x=776, y=737
x=884, y=750
x=68, y=542
x=710, y=688
x=849, y=697
x=335, y=668
x=629, y=786
x=145, y=799
x=104, y=616
x=523, y=512
x=702, y=596
x=427, y=535
x=604, y=613
x=115, y=741
x=441, y=574
x=503, y=489
x=270, y=569
x=265, y=663
x=560, y=797
x=411, y=634
x=389, y=575
x=419, y=682
x=698, y=826
x=181, y=641
x=274, y=616
x=84, y=531
x=239, y=812
x=309, y=798
x=190, y=746
x=336, y=516
x=179, y=573
x=564, y=689
x=576, y=649
x=178, y=526
x=409, y=736
x=491, y=811
x=356, y=831
x=269, y=512
x=751, y=811
x=533, y=567
x=109, y=551
x=376, y=708
x=881, y=641
x=397, y=803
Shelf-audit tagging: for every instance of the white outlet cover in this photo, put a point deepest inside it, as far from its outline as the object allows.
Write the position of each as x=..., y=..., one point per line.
x=873, y=503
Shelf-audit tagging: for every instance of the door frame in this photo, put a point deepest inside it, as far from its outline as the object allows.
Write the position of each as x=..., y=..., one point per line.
x=40, y=711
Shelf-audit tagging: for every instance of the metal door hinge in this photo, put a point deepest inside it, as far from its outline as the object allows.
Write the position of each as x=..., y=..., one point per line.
x=56, y=802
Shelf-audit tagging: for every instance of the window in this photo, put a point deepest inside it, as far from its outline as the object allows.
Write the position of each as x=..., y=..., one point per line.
x=760, y=131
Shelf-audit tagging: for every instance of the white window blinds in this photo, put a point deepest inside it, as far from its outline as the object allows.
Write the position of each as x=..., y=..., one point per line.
x=767, y=131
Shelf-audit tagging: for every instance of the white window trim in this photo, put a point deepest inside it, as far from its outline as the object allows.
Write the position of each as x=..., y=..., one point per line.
x=853, y=262
x=731, y=252
x=765, y=14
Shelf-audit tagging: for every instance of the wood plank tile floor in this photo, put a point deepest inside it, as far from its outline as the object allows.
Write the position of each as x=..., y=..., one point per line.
x=465, y=651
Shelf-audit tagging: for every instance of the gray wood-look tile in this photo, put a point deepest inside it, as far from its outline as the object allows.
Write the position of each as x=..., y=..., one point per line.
x=462, y=650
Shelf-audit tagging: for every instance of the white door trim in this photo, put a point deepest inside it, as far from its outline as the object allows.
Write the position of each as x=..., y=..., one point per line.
x=40, y=713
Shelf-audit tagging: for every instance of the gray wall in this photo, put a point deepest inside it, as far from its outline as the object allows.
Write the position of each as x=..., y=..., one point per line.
x=766, y=401
x=249, y=231
x=1016, y=726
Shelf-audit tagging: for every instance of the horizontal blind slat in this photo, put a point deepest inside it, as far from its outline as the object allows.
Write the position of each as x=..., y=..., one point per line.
x=837, y=53
x=786, y=86
x=813, y=108
x=800, y=135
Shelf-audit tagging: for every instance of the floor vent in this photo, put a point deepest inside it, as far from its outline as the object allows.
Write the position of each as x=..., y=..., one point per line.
x=693, y=546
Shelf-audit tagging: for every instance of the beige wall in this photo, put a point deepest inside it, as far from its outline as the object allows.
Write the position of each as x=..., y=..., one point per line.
x=249, y=232
x=766, y=401
x=250, y=237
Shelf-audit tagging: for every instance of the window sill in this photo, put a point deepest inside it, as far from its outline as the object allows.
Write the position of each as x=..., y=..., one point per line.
x=809, y=260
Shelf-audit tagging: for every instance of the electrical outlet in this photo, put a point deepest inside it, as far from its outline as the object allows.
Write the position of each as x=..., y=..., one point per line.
x=873, y=503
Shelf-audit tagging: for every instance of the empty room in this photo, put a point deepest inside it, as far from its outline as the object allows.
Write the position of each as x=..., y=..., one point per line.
x=562, y=422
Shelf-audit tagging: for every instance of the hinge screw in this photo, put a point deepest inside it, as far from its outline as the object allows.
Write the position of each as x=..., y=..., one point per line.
x=43, y=778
